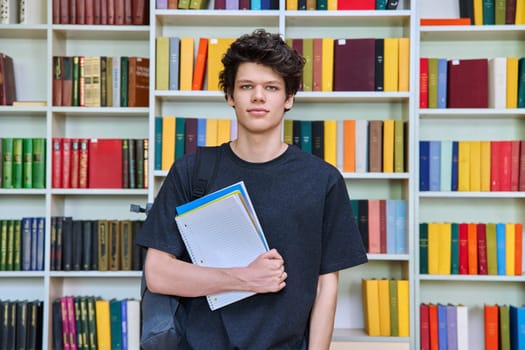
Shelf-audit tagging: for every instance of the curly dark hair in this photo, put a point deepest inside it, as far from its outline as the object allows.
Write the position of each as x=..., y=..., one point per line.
x=267, y=49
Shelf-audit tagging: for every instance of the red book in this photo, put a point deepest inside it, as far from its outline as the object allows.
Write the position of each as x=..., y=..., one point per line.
x=119, y=12
x=96, y=11
x=105, y=163
x=128, y=12
x=81, y=12
x=518, y=249
x=423, y=82
x=73, y=12
x=110, y=11
x=463, y=248
x=83, y=163
x=7, y=80
x=482, y=248
x=71, y=320
x=317, y=64
x=514, y=165
x=64, y=11
x=66, y=342
x=218, y=5
x=89, y=17
x=521, y=175
x=56, y=158
x=75, y=163
x=491, y=322
x=510, y=12
x=424, y=327
x=496, y=172
x=139, y=12
x=200, y=64
x=190, y=143
x=433, y=326
x=356, y=5
x=445, y=21
x=354, y=64
x=104, y=12
x=467, y=84
x=506, y=165
x=56, y=11
x=66, y=163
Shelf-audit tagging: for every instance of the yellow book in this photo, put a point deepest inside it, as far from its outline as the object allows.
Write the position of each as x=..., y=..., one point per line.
x=308, y=73
x=330, y=141
x=223, y=131
x=388, y=146
x=433, y=248
x=399, y=146
x=485, y=166
x=103, y=324
x=512, y=82
x=445, y=246
x=510, y=249
x=520, y=12
x=217, y=47
x=463, y=166
x=332, y=5
x=391, y=64
x=475, y=166
x=384, y=307
x=168, y=142
x=478, y=12
x=288, y=131
x=327, y=77
x=370, y=288
x=292, y=5
x=186, y=63
x=212, y=132
x=404, y=64
x=403, y=296
x=162, y=64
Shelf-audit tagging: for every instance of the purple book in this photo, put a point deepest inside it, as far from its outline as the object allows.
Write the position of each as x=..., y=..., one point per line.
x=354, y=64
x=162, y=4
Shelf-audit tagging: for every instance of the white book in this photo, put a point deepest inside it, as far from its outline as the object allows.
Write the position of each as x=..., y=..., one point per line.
x=116, y=81
x=462, y=324
x=133, y=324
x=361, y=146
x=222, y=230
x=497, y=79
x=8, y=11
x=31, y=12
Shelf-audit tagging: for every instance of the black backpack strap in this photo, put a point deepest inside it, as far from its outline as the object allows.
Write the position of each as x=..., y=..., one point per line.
x=205, y=170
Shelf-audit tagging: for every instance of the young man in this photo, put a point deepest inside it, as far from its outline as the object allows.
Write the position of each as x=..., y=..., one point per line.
x=300, y=200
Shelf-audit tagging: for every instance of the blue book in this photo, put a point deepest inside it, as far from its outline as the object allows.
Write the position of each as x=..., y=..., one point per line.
x=500, y=248
x=454, y=175
x=442, y=65
x=452, y=328
x=424, y=162
x=434, y=166
x=124, y=316
x=40, y=238
x=201, y=132
x=34, y=244
x=446, y=166
x=401, y=226
x=517, y=327
x=391, y=233
x=255, y=4
x=158, y=143
x=442, y=327
x=27, y=224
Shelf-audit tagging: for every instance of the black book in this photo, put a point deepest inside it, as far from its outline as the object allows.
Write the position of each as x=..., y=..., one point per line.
x=87, y=242
x=57, y=325
x=21, y=324
x=379, y=64
x=466, y=9
x=34, y=325
x=4, y=317
x=11, y=325
x=392, y=4
x=94, y=245
x=318, y=138
x=137, y=251
x=67, y=243
x=363, y=221
x=296, y=130
x=76, y=260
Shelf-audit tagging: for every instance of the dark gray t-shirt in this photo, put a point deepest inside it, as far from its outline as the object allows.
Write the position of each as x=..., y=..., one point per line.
x=304, y=209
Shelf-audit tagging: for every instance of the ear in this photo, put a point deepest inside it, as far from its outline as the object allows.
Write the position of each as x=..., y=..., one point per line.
x=288, y=104
x=230, y=100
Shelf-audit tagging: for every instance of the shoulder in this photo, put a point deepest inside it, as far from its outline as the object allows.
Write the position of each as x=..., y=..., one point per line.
x=313, y=164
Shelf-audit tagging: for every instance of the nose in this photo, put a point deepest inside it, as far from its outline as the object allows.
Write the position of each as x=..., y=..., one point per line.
x=258, y=94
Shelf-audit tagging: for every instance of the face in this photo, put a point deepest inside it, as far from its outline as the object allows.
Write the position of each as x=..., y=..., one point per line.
x=259, y=99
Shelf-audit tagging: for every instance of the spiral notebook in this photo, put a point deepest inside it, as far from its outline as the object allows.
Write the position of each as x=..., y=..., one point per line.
x=221, y=229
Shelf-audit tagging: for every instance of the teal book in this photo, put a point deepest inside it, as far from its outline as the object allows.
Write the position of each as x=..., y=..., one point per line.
x=521, y=82
x=115, y=322
x=321, y=5
x=158, y=143
x=306, y=136
x=454, y=249
x=180, y=137
x=423, y=248
x=401, y=226
x=488, y=12
x=381, y=4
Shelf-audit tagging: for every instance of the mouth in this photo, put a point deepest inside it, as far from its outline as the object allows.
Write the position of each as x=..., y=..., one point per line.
x=257, y=111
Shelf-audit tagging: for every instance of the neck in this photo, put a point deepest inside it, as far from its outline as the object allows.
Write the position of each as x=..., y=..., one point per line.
x=258, y=150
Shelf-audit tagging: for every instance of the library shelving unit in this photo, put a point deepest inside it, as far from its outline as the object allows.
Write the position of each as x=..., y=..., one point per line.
x=465, y=42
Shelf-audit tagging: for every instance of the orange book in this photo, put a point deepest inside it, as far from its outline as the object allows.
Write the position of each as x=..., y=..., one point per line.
x=518, y=249
x=491, y=322
x=510, y=241
x=472, y=248
x=200, y=64
x=444, y=21
x=433, y=326
x=349, y=145
x=374, y=227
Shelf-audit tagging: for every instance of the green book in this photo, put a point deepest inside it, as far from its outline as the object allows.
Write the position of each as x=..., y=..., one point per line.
x=75, y=94
x=521, y=82
x=492, y=258
x=27, y=162
x=3, y=245
x=399, y=146
x=499, y=11
x=39, y=162
x=432, y=82
x=504, y=327
x=394, y=307
x=92, y=324
x=124, y=67
x=17, y=245
x=17, y=163
x=10, y=245
x=180, y=137
x=423, y=248
x=454, y=249
x=308, y=54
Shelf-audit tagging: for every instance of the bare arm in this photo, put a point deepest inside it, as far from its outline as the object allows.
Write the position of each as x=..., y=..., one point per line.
x=167, y=275
x=323, y=312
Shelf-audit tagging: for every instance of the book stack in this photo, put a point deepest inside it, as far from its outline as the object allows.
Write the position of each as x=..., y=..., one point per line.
x=100, y=12
x=452, y=248
x=386, y=307
x=99, y=163
x=472, y=83
x=481, y=12
x=7, y=80
x=22, y=12
x=444, y=326
x=291, y=5
x=22, y=244
x=472, y=166
x=89, y=322
x=23, y=162
x=21, y=323
x=94, y=245
x=100, y=81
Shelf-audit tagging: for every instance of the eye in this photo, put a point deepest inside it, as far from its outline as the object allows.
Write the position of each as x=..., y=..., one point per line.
x=272, y=88
x=245, y=86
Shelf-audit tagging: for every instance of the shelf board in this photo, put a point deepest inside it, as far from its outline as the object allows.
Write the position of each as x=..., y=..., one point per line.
x=228, y=18
x=124, y=111
x=22, y=274
x=388, y=257
x=99, y=191
x=95, y=274
x=472, y=278
x=23, y=31
x=474, y=113
x=469, y=33
x=23, y=191
x=365, y=176
x=347, y=334
x=398, y=18
x=431, y=194
x=102, y=32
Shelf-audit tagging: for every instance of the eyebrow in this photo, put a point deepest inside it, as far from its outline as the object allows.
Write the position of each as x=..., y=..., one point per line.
x=251, y=81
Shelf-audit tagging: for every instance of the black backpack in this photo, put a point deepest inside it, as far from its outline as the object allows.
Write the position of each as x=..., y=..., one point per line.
x=163, y=318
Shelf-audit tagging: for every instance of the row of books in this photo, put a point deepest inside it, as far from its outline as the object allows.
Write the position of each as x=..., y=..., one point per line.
x=7, y=80
x=352, y=145
x=99, y=163
x=22, y=244
x=101, y=81
x=21, y=323
x=21, y=12
x=503, y=326
x=489, y=12
x=472, y=83
x=444, y=326
x=386, y=307
x=89, y=322
x=357, y=64
x=451, y=248
x=382, y=224
x=95, y=245
x=100, y=12
x=291, y=5
x=472, y=166
x=23, y=163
